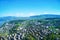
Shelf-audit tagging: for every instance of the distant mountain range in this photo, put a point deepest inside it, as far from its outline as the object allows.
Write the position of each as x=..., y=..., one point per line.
x=45, y=16
x=9, y=18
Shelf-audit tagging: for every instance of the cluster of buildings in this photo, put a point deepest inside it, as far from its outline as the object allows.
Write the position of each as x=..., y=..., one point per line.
x=36, y=29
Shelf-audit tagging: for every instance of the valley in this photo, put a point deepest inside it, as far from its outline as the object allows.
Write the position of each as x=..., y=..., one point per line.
x=32, y=29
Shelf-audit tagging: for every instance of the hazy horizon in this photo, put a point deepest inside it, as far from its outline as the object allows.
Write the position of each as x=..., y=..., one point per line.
x=26, y=8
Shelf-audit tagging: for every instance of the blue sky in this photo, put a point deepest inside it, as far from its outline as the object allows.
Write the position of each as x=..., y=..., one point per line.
x=25, y=8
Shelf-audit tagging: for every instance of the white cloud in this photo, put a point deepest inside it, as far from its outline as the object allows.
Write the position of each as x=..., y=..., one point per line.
x=45, y=13
x=28, y=14
x=24, y=14
x=31, y=14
